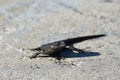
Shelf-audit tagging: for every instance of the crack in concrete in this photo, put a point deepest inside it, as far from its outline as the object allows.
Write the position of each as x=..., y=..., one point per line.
x=70, y=7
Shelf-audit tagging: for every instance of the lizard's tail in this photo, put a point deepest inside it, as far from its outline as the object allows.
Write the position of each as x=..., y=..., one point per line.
x=80, y=39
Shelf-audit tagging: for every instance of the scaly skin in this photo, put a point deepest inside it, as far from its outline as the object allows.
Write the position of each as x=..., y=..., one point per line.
x=54, y=49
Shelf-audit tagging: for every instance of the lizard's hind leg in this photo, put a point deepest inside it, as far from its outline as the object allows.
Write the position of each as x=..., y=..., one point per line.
x=76, y=49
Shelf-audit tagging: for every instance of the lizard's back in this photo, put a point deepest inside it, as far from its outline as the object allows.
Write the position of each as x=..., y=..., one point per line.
x=53, y=47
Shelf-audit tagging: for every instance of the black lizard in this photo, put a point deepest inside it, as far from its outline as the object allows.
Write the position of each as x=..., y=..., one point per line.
x=54, y=49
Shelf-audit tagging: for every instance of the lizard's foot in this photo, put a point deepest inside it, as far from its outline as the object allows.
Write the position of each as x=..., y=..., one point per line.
x=34, y=55
x=80, y=50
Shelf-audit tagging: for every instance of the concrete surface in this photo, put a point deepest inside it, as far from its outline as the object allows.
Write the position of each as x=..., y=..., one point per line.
x=31, y=23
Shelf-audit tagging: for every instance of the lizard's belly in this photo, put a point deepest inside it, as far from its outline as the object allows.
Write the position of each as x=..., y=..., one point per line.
x=52, y=50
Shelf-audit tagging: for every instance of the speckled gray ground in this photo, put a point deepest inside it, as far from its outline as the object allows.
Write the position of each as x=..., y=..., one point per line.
x=30, y=23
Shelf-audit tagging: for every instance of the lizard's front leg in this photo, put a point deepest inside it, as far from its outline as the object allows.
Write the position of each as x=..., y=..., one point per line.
x=35, y=54
x=56, y=55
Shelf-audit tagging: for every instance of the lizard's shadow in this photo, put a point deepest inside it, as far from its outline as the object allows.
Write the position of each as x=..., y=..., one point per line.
x=71, y=54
